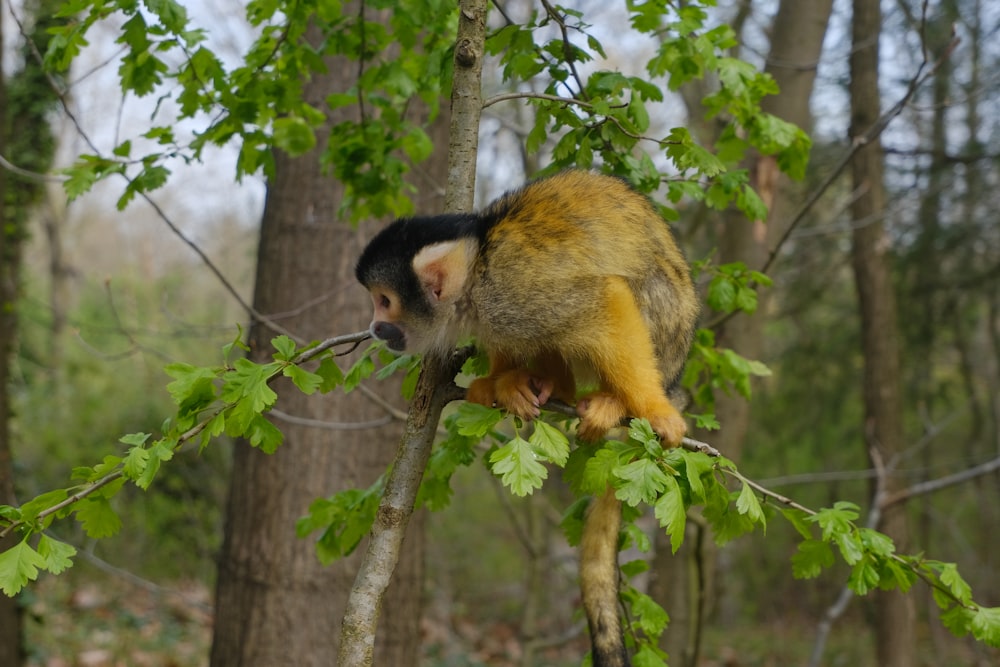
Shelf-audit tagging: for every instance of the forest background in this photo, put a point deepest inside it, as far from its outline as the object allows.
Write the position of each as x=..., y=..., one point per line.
x=109, y=297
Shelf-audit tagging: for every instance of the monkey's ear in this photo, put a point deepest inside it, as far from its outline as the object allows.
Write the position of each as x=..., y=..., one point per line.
x=442, y=268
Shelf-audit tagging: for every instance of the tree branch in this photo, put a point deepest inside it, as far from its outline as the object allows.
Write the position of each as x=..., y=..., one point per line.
x=436, y=385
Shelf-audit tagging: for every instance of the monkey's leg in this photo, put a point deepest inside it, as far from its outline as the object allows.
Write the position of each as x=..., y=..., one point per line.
x=631, y=383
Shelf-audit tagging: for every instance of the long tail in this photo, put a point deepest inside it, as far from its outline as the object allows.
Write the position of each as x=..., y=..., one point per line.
x=599, y=580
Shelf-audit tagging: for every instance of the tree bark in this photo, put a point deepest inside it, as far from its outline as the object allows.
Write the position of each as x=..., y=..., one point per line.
x=276, y=604
x=10, y=259
x=894, y=619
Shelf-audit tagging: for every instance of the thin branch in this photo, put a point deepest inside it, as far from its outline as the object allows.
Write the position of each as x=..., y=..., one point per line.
x=329, y=425
x=933, y=485
x=503, y=97
x=568, y=56
x=31, y=175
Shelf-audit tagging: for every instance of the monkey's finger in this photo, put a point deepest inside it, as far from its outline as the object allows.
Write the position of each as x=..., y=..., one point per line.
x=542, y=389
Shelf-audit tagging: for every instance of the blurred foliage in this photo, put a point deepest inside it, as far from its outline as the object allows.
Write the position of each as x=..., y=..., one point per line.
x=110, y=381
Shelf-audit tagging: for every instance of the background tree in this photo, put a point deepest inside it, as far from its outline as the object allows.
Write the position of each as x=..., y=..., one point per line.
x=275, y=598
x=879, y=331
x=25, y=100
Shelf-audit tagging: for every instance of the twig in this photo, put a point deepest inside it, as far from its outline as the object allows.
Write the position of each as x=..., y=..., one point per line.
x=932, y=485
x=689, y=444
x=32, y=175
x=332, y=426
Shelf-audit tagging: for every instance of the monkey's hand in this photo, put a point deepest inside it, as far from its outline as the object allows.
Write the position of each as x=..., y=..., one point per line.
x=516, y=390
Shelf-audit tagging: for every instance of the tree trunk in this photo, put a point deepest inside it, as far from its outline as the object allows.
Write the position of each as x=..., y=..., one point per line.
x=894, y=620
x=276, y=604
x=10, y=259
x=796, y=42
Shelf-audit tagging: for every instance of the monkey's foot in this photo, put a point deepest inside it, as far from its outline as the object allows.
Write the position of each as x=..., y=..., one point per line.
x=670, y=426
x=516, y=390
x=599, y=413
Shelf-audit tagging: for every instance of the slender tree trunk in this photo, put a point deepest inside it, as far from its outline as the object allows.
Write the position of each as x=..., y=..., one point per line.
x=276, y=604
x=894, y=616
x=10, y=259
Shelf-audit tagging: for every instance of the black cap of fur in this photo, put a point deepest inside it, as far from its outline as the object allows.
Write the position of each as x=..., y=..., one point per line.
x=388, y=258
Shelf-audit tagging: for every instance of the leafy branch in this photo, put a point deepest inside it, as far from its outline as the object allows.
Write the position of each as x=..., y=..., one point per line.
x=229, y=399
x=673, y=483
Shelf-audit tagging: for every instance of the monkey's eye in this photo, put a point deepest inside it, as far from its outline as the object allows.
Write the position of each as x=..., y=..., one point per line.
x=383, y=301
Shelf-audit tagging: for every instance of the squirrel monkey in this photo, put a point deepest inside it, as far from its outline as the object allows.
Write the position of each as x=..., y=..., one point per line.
x=574, y=276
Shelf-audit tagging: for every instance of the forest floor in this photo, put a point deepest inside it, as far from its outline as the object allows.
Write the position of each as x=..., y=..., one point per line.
x=107, y=622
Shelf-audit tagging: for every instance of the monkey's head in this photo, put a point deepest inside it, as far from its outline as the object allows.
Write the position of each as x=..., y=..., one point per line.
x=416, y=271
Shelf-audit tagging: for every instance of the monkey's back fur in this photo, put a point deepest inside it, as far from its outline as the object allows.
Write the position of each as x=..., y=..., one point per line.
x=570, y=232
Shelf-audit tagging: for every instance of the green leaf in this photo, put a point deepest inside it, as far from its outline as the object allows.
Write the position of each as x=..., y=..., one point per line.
x=172, y=15
x=249, y=381
x=649, y=655
x=345, y=518
x=58, y=555
x=837, y=519
x=293, y=135
x=264, y=435
x=332, y=376
x=647, y=614
x=550, y=443
x=697, y=465
x=864, y=576
x=161, y=450
x=599, y=468
x=800, y=521
x=284, y=346
x=956, y=584
x=31, y=509
x=307, y=382
x=876, y=542
x=518, y=467
x=362, y=369
x=811, y=558
x=688, y=155
x=97, y=517
x=985, y=625
x=671, y=513
x=18, y=566
x=749, y=504
x=193, y=387
x=135, y=462
x=476, y=420
x=643, y=481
